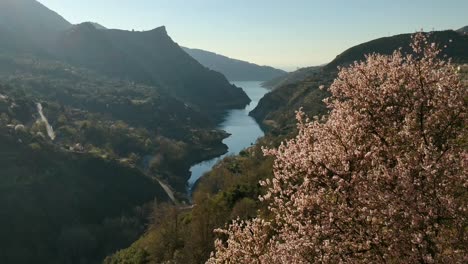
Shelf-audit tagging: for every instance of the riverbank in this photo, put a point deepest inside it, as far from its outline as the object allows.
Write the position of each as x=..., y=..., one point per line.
x=243, y=131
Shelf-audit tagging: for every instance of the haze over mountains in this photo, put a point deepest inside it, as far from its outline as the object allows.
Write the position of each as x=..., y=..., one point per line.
x=234, y=70
x=30, y=24
x=150, y=57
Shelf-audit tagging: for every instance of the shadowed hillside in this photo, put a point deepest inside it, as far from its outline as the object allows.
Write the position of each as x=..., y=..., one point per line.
x=31, y=22
x=59, y=207
x=300, y=88
x=149, y=57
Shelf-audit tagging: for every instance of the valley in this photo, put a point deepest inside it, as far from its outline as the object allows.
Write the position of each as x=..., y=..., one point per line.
x=124, y=146
x=243, y=131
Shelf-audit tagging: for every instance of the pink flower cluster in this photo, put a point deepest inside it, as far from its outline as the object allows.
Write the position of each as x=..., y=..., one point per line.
x=381, y=179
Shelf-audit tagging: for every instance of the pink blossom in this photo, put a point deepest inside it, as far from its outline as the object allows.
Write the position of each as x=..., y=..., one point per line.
x=382, y=179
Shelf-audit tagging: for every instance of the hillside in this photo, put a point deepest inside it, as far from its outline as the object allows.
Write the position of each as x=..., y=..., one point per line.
x=463, y=30
x=234, y=70
x=80, y=189
x=455, y=42
x=291, y=77
x=149, y=57
x=144, y=57
x=300, y=89
x=230, y=191
x=116, y=118
x=30, y=22
x=63, y=207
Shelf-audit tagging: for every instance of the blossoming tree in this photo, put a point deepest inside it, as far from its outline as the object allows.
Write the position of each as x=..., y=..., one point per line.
x=381, y=179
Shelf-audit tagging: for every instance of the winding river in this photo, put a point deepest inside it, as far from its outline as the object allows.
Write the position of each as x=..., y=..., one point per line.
x=244, y=130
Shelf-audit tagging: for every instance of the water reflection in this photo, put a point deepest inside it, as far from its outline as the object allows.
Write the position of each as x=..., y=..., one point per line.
x=244, y=130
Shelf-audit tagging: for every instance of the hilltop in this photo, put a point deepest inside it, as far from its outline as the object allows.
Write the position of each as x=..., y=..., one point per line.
x=301, y=88
x=463, y=30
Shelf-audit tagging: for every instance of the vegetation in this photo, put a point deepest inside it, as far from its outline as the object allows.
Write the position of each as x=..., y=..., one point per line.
x=229, y=191
x=276, y=110
x=381, y=179
x=64, y=207
x=112, y=119
x=94, y=144
x=291, y=78
x=132, y=112
x=185, y=235
x=88, y=192
x=152, y=58
x=234, y=70
x=300, y=89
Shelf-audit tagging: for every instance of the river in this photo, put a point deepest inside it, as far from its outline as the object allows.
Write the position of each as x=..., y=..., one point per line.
x=244, y=130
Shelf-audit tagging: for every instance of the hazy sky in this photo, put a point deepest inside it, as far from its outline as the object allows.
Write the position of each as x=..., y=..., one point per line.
x=281, y=33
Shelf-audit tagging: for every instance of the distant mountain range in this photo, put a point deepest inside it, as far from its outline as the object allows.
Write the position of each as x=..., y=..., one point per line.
x=234, y=70
x=276, y=112
x=56, y=208
x=27, y=25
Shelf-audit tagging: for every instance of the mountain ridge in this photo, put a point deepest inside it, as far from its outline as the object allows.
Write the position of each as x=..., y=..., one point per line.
x=455, y=47
x=39, y=24
x=149, y=57
x=463, y=30
x=234, y=69
x=301, y=88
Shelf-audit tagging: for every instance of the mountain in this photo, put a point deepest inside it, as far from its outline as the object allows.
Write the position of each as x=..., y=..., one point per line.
x=128, y=109
x=463, y=30
x=31, y=22
x=149, y=57
x=276, y=110
x=234, y=70
x=456, y=47
x=76, y=198
x=301, y=88
x=230, y=189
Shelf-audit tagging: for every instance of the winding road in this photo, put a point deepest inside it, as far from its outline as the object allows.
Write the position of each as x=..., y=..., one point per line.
x=50, y=130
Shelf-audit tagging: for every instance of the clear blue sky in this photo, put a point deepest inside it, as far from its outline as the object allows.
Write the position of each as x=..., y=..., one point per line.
x=281, y=33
